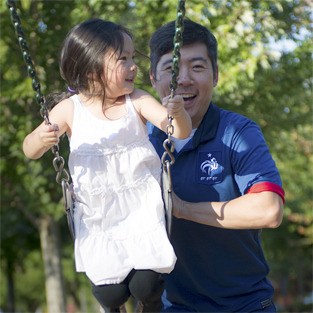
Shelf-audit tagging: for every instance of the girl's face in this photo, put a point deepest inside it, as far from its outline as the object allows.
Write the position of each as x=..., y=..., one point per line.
x=120, y=70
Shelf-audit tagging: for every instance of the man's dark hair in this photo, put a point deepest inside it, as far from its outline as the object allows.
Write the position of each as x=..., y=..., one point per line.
x=161, y=42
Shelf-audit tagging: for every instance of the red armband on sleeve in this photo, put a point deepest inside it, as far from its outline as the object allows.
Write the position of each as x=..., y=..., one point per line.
x=266, y=186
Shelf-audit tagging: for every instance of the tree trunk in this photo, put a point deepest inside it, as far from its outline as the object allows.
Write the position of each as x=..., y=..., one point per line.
x=52, y=265
x=10, y=286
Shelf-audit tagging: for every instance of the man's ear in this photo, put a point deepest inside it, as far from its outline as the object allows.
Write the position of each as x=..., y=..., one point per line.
x=152, y=80
x=215, y=80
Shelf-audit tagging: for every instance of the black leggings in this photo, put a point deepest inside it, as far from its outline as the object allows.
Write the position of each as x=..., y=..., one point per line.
x=144, y=285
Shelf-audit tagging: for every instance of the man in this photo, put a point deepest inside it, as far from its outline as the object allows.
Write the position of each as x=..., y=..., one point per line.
x=226, y=187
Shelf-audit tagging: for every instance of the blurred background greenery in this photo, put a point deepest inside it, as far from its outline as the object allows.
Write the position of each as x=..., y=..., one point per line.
x=265, y=64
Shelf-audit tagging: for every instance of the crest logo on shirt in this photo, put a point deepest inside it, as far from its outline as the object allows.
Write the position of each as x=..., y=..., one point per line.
x=209, y=165
x=210, y=171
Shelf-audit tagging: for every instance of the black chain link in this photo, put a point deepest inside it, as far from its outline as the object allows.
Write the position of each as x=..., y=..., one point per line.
x=167, y=157
x=178, y=42
x=58, y=161
x=27, y=58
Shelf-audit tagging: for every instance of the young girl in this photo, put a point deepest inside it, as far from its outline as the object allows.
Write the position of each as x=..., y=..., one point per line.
x=121, y=242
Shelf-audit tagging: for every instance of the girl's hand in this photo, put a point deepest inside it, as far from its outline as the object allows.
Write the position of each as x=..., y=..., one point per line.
x=49, y=136
x=175, y=105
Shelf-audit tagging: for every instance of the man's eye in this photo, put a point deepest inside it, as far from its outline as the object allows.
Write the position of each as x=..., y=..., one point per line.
x=198, y=67
x=122, y=58
x=167, y=69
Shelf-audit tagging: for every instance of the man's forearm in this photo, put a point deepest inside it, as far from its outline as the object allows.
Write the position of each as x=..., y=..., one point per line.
x=250, y=211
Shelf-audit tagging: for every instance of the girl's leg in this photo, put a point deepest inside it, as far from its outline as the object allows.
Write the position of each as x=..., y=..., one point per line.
x=147, y=286
x=111, y=297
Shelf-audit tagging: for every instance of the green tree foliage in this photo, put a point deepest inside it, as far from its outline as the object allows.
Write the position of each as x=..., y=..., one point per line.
x=272, y=86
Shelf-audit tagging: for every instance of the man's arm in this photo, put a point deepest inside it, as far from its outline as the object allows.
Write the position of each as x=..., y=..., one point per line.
x=250, y=211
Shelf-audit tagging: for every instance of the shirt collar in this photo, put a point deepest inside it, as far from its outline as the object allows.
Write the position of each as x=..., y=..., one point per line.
x=208, y=126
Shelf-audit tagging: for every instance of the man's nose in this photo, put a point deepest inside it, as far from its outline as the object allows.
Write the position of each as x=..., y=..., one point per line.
x=184, y=78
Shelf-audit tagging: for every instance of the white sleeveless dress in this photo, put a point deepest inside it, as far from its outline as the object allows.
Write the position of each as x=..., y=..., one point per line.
x=119, y=214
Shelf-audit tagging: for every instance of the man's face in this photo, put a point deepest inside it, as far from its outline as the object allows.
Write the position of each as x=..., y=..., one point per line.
x=195, y=80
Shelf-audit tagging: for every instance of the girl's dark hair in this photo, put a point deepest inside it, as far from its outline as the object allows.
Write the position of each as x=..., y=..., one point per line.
x=82, y=55
x=161, y=42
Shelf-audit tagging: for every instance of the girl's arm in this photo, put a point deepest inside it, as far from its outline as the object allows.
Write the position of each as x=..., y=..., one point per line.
x=151, y=110
x=41, y=139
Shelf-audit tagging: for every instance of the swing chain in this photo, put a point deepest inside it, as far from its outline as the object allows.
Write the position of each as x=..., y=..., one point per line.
x=58, y=161
x=168, y=159
x=27, y=58
x=178, y=41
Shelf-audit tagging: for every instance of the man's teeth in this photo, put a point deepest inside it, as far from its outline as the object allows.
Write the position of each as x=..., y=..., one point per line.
x=188, y=96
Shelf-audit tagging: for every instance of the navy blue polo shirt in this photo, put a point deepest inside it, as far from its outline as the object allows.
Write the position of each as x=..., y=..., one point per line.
x=217, y=269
